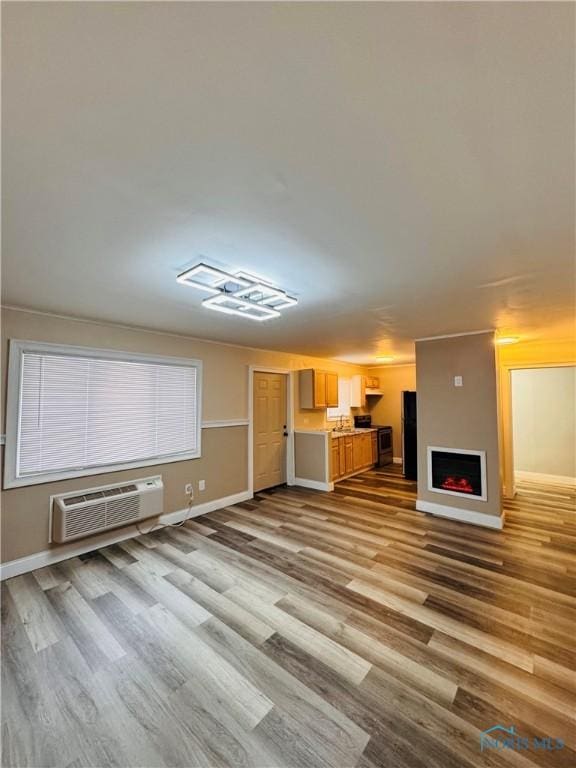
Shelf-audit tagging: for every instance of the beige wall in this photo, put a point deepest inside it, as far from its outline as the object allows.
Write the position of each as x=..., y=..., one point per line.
x=544, y=420
x=25, y=510
x=224, y=451
x=311, y=460
x=387, y=410
x=459, y=417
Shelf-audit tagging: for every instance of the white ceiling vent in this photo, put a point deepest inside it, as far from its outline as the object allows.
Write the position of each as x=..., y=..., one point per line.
x=84, y=513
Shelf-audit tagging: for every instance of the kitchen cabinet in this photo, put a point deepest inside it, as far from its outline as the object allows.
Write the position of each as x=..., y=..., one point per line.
x=341, y=446
x=331, y=390
x=348, y=465
x=352, y=453
x=335, y=469
x=367, y=450
x=362, y=451
x=358, y=391
x=357, y=452
x=318, y=389
x=341, y=457
x=360, y=386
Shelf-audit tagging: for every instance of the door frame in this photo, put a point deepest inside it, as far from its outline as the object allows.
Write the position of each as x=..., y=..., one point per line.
x=506, y=421
x=252, y=369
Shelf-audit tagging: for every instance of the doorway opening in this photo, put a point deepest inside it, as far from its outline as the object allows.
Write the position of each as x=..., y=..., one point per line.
x=544, y=424
x=270, y=448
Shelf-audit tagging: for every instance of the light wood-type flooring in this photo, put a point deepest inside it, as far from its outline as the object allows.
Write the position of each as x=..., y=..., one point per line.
x=301, y=629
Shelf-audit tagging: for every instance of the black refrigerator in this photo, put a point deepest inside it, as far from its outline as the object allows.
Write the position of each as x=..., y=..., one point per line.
x=409, y=440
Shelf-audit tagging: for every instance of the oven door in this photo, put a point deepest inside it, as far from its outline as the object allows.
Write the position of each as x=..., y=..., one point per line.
x=384, y=440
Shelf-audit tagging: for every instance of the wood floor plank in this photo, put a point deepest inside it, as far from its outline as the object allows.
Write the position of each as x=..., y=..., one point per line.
x=182, y=606
x=235, y=616
x=438, y=621
x=392, y=737
x=220, y=737
x=245, y=701
x=325, y=731
x=338, y=630
x=38, y=618
x=367, y=647
x=351, y=666
x=90, y=634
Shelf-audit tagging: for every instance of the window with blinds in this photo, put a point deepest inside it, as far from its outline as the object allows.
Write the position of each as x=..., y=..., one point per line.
x=79, y=414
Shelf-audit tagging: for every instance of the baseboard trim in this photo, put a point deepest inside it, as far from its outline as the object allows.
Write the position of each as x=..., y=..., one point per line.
x=463, y=515
x=64, y=552
x=316, y=485
x=508, y=494
x=539, y=477
x=396, y=459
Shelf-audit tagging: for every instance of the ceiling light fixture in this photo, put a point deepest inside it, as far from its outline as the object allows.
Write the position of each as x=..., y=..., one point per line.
x=238, y=293
x=386, y=359
x=504, y=340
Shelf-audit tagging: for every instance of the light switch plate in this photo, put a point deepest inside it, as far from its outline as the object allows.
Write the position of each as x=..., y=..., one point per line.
x=458, y=381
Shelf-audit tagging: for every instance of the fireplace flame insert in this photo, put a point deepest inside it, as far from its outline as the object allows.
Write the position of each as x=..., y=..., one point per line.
x=457, y=472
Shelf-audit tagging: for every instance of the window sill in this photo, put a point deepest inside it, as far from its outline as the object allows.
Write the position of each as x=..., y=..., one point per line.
x=22, y=482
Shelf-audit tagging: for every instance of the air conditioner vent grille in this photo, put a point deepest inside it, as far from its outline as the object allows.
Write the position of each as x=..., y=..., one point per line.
x=71, y=500
x=124, y=510
x=84, y=520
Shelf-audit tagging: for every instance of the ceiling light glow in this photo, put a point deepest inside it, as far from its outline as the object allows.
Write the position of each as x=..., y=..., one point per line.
x=386, y=359
x=231, y=305
x=239, y=293
x=504, y=340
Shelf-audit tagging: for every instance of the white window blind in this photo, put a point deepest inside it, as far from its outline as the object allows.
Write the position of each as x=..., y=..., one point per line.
x=78, y=413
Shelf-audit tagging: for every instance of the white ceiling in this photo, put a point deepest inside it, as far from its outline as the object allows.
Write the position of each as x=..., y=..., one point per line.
x=406, y=170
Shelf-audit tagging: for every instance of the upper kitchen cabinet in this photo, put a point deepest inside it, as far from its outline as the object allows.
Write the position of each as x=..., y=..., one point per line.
x=318, y=389
x=357, y=391
x=360, y=387
x=331, y=390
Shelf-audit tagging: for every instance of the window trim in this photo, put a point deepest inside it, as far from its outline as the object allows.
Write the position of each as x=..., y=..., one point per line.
x=17, y=349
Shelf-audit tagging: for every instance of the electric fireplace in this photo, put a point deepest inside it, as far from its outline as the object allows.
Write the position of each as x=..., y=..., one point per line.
x=457, y=472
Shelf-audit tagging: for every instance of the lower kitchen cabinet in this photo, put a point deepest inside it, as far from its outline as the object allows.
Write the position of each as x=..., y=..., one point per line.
x=335, y=458
x=351, y=453
x=367, y=450
x=347, y=465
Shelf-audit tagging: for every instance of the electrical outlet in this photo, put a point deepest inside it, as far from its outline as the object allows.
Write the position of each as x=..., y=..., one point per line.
x=201, y=485
x=188, y=488
x=458, y=381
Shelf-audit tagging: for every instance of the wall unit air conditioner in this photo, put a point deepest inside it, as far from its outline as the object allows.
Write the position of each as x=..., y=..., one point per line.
x=84, y=513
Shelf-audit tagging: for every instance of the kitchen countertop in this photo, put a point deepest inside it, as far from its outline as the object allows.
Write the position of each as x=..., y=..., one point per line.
x=335, y=433
x=344, y=432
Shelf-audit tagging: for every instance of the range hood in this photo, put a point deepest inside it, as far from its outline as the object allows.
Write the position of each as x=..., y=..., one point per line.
x=374, y=392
